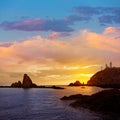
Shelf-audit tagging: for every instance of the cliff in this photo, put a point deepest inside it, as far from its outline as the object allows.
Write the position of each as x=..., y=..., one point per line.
x=109, y=77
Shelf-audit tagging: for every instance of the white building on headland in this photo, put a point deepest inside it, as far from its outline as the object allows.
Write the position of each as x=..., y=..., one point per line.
x=109, y=66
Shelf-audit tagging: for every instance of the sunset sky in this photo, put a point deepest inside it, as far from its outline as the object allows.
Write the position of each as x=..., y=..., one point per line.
x=57, y=41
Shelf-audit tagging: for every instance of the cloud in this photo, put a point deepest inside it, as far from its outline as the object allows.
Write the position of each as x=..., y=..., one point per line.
x=90, y=11
x=57, y=60
x=106, y=41
x=87, y=11
x=112, y=30
x=109, y=19
x=55, y=35
x=104, y=15
x=38, y=48
x=75, y=18
x=6, y=44
x=37, y=24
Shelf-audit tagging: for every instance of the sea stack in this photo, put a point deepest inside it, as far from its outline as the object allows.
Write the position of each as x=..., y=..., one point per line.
x=26, y=83
x=76, y=83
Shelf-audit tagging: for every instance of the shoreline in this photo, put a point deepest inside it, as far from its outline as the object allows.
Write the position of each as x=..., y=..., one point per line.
x=59, y=86
x=105, y=102
x=52, y=87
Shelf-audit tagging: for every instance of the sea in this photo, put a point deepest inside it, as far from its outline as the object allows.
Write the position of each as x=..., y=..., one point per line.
x=44, y=104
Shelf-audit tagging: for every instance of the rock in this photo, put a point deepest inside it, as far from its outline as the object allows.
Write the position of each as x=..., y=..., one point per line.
x=109, y=77
x=71, y=84
x=76, y=83
x=106, y=101
x=27, y=83
x=57, y=87
x=73, y=97
x=17, y=84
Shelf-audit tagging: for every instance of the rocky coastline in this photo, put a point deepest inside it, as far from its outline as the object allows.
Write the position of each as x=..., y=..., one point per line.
x=104, y=102
x=107, y=78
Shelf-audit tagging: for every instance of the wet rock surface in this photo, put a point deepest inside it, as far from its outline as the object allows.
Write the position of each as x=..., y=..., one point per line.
x=105, y=102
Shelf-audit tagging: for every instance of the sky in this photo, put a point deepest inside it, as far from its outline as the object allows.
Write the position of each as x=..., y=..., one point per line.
x=57, y=41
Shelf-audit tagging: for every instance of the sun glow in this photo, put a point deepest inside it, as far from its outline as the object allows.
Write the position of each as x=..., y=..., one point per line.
x=56, y=61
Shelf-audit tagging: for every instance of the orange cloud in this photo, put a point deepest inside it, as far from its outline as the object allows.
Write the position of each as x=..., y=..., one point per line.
x=104, y=41
x=58, y=61
x=53, y=35
x=112, y=30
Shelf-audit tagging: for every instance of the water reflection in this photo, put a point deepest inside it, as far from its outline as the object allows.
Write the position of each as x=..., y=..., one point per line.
x=43, y=104
x=86, y=90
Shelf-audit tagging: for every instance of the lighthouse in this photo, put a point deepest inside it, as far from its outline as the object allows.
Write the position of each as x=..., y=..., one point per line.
x=110, y=64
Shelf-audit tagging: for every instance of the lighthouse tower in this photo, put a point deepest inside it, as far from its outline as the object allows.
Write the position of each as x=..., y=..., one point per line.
x=110, y=64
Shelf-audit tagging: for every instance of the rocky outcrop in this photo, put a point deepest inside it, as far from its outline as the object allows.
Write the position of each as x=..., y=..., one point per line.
x=106, y=101
x=27, y=83
x=109, y=77
x=57, y=87
x=73, y=97
x=17, y=84
x=76, y=83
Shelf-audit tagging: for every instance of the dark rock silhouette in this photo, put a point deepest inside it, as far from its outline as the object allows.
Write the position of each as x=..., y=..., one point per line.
x=76, y=83
x=27, y=83
x=71, y=84
x=57, y=87
x=17, y=84
x=106, y=101
x=109, y=77
x=73, y=97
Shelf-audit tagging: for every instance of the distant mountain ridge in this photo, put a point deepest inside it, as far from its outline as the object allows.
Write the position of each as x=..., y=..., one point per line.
x=109, y=77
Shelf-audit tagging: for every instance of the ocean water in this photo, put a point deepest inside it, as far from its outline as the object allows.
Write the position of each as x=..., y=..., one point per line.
x=43, y=104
